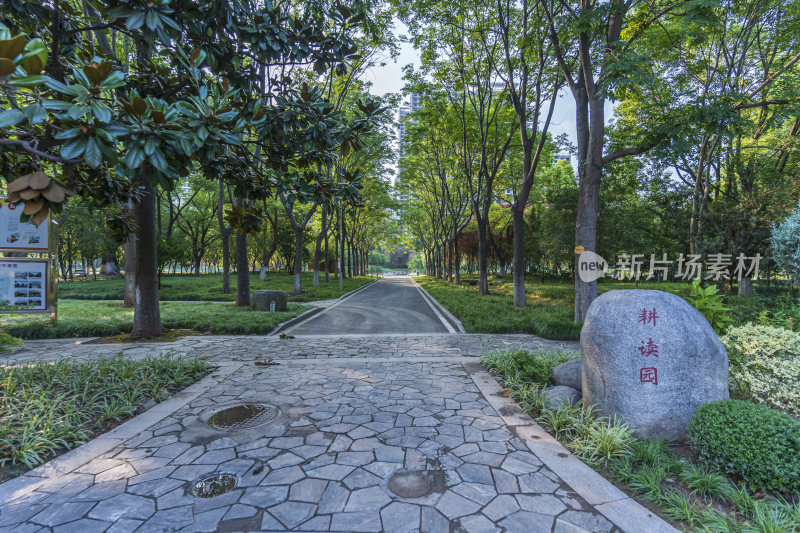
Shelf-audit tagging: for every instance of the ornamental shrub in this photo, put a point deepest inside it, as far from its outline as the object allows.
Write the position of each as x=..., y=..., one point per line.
x=765, y=365
x=755, y=442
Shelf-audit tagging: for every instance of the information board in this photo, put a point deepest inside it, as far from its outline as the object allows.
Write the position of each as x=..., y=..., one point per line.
x=24, y=284
x=23, y=236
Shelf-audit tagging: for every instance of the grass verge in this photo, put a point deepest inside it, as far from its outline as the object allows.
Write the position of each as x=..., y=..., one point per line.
x=99, y=319
x=550, y=305
x=208, y=287
x=545, y=315
x=49, y=408
x=693, y=496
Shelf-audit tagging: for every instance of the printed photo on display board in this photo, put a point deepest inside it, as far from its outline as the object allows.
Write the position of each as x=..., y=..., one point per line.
x=20, y=235
x=22, y=285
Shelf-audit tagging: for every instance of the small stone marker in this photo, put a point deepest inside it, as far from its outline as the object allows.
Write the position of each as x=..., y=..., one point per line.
x=262, y=300
x=651, y=359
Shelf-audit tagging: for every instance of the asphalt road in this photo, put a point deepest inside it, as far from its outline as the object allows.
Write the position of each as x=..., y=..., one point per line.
x=391, y=305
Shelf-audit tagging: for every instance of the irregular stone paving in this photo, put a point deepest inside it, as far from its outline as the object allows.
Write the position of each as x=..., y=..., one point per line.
x=345, y=426
x=238, y=348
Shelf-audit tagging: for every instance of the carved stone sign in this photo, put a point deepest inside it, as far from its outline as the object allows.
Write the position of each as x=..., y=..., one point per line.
x=651, y=359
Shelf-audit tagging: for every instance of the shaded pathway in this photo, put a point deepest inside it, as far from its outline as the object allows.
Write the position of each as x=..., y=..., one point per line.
x=390, y=305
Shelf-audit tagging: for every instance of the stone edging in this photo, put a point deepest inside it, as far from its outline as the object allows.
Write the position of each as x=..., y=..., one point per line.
x=83, y=454
x=456, y=323
x=615, y=505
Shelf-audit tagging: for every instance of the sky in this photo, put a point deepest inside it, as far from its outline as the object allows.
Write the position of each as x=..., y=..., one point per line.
x=389, y=79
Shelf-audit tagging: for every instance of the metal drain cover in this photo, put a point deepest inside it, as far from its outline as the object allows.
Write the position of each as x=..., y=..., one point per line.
x=410, y=484
x=215, y=485
x=244, y=416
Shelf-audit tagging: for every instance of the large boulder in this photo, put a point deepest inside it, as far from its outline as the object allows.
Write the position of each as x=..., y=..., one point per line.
x=261, y=299
x=651, y=359
x=559, y=396
x=568, y=374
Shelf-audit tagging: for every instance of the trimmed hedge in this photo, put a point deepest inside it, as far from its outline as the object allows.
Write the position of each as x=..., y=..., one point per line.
x=765, y=365
x=753, y=441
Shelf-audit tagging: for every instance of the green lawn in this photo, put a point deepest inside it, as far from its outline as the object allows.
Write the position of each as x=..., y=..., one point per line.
x=208, y=287
x=48, y=408
x=99, y=319
x=550, y=309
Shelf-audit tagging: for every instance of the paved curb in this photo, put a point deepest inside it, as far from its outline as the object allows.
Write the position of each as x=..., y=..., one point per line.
x=456, y=323
x=292, y=321
x=625, y=512
x=312, y=312
x=77, y=457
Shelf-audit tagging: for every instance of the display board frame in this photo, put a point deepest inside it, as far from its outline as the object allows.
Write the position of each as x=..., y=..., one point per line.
x=7, y=208
x=48, y=285
x=47, y=255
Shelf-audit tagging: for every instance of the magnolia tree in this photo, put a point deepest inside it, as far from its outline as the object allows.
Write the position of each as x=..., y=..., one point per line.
x=117, y=99
x=786, y=246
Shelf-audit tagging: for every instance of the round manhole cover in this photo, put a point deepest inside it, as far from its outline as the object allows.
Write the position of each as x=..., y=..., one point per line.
x=215, y=485
x=410, y=484
x=243, y=416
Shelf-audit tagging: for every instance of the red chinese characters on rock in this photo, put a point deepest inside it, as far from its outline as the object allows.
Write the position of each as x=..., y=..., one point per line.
x=645, y=317
x=649, y=375
x=648, y=348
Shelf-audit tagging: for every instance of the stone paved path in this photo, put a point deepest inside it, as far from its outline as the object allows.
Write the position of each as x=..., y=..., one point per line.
x=352, y=411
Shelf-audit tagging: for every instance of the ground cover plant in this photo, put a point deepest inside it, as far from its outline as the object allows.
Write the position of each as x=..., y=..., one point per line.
x=77, y=318
x=208, y=287
x=49, y=408
x=694, y=495
x=550, y=310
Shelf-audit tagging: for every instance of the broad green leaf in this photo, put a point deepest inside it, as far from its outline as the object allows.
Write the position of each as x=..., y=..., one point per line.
x=29, y=81
x=36, y=113
x=158, y=161
x=11, y=117
x=77, y=111
x=68, y=134
x=150, y=145
x=92, y=155
x=56, y=105
x=62, y=88
x=134, y=158
x=73, y=148
x=135, y=22
x=114, y=80
x=100, y=111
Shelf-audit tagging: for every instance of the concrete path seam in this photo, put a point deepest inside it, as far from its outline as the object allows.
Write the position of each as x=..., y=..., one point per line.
x=77, y=457
x=615, y=505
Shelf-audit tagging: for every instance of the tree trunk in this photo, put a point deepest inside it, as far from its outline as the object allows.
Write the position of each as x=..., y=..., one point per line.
x=746, y=288
x=298, y=259
x=320, y=238
x=327, y=259
x=483, y=273
x=242, y=271
x=457, y=260
x=225, y=237
x=591, y=172
x=147, y=315
x=129, y=280
x=518, y=268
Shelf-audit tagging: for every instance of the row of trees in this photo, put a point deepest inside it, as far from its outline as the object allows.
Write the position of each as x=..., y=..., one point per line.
x=702, y=149
x=121, y=102
x=190, y=237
